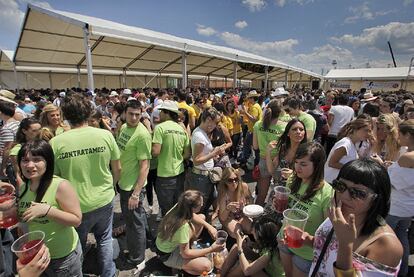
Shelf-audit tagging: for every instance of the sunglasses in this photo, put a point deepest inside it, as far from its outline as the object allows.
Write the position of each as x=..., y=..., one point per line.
x=341, y=187
x=232, y=180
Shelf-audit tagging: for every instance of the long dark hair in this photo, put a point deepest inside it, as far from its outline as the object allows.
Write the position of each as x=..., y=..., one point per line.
x=25, y=125
x=284, y=142
x=317, y=156
x=272, y=111
x=371, y=174
x=43, y=149
x=266, y=227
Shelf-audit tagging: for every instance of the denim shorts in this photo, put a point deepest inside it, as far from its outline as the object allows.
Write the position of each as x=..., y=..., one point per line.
x=175, y=260
x=264, y=173
x=69, y=266
x=302, y=264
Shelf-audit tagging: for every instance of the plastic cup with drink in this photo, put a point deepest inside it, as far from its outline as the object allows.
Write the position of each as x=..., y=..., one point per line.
x=281, y=198
x=221, y=237
x=8, y=213
x=294, y=222
x=28, y=245
x=6, y=192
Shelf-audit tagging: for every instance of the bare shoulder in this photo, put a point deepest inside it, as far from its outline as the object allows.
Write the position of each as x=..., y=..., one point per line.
x=407, y=160
x=389, y=244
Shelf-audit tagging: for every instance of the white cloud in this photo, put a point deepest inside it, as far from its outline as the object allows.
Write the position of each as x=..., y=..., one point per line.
x=254, y=5
x=42, y=4
x=205, y=31
x=11, y=16
x=241, y=24
x=408, y=2
x=270, y=49
x=401, y=36
x=363, y=12
x=282, y=3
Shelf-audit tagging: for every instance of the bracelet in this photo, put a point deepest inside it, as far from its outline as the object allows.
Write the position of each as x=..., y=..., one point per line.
x=50, y=206
x=134, y=196
x=344, y=273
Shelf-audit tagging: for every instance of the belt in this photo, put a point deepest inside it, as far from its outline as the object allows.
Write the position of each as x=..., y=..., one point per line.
x=200, y=171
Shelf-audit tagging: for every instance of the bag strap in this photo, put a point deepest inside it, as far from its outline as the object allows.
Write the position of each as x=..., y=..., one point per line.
x=325, y=246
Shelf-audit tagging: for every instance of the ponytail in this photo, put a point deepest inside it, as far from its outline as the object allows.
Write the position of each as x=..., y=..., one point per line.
x=272, y=111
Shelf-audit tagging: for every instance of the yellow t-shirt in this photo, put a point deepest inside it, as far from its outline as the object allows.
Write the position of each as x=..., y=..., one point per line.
x=197, y=110
x=235, y=119
x=227, y=123
x=190, y=110
x=255, y=111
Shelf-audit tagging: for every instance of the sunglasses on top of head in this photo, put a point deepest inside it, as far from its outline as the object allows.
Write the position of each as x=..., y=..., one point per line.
x=355, y=193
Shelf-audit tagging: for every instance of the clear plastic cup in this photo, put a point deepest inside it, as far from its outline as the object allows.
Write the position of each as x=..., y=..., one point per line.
x=8, y=213
x=281, y=198
x=28, y=245
x=294, y=222
x=6, y=191
x=221, y=237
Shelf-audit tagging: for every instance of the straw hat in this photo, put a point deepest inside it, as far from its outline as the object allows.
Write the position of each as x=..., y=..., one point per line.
x=169, y=106
x=7, y=96
x=253, y=93
x=368, y=96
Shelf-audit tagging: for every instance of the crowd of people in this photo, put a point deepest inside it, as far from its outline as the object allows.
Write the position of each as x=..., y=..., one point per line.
x=347, y=159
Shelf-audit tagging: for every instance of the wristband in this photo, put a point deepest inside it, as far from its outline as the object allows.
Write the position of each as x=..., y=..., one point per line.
x=344, y=273
x=50, y=206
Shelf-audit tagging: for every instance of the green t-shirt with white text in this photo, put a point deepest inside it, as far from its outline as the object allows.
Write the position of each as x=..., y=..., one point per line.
x=82, y=156
x=173, y=139
x=274, y=132
x=135, y=146
x=317, y=210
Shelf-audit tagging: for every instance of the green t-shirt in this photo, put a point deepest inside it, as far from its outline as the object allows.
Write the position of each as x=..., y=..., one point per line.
x=317, y=209
x=15, y=150
x=60, y=239
x=309, y=121
x=274, y=267
x=274, y=132
x=181, y=236
x=135, y=146
x=173, y=140
x=82, y=156
x=285, y=117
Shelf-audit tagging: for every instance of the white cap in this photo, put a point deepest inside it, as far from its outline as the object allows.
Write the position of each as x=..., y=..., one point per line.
x=113, y=93
x=279, y=92
x=131, y=98
x=127, y=91
x=62, y=94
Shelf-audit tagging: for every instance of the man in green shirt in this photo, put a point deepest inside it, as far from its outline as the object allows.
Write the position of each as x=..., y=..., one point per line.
x=134, y=141
x=82, y=156
x=171, y=145
x=294, y=106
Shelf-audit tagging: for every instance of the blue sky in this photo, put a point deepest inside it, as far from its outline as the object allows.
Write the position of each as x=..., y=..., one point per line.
x=304, y=33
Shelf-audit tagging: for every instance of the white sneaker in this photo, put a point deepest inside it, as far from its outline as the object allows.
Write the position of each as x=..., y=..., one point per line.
x=139, y=268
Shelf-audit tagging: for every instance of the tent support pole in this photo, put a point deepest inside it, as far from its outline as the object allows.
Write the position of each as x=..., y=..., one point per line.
x=124, y=84
x=208, y=81
x=234, y=74
x=50, y=80
x=79, y=77
x=184, y=70
x=225, y=83
x=15, y=77
x=286, y=79
x=88, y=56
x=266, y=77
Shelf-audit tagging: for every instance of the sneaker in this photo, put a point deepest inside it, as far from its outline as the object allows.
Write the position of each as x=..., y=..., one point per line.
x=139, y=266
x=159, y=216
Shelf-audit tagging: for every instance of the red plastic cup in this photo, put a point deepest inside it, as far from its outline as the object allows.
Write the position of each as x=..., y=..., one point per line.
x=6, y=192
x=8, y=213
x=281, y=198
x=294, y=222
x=28, y=245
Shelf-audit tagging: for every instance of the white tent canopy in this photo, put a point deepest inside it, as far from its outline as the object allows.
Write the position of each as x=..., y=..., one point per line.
x=391, y=73
x=61, y=39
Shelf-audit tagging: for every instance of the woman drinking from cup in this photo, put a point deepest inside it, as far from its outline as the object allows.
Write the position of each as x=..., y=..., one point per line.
x=50, y=204
x=281, y=165
x=233, y=195
x=310, y=195
x=361, y=243
x=178, y=229
x=52, y=122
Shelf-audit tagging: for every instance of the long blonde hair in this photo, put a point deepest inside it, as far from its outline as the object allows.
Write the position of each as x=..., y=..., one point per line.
x=180, y=214
x=240, y=191
x=391, y=142
x=45, y=111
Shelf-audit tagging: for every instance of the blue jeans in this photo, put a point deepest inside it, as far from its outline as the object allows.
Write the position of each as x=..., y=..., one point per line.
x=247, y=147
x=69, y=266
x=136, y=224
x=400, y=225
x=99, y=222
x=205, y=186
x=169, y=189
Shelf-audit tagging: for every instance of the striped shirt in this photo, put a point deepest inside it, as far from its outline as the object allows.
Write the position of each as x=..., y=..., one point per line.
x=8, y=134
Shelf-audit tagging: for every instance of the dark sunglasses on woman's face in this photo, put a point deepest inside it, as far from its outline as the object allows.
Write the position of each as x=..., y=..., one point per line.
x=341, y=187
x=232, y=180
